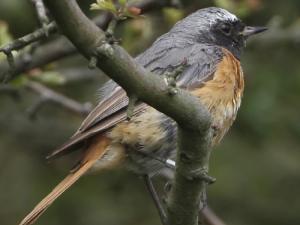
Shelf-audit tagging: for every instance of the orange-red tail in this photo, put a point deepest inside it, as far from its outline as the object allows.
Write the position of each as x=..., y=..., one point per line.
x=94, y=152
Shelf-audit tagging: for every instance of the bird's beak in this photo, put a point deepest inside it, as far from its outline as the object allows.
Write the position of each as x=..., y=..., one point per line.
x=249, y=31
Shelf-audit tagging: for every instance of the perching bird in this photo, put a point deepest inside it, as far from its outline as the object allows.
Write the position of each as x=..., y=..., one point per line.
x=210, y=41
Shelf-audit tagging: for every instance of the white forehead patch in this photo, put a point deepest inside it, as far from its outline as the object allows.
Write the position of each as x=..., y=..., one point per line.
x=226, y=15
x=212, y=15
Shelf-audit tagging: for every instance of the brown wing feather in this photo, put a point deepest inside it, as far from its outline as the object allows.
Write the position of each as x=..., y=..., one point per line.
x=202, y=61
x=78, y=139
x=104, y=115
x=117, y=100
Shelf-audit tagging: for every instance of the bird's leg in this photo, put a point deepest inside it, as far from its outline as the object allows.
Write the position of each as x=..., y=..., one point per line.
x=156, y=199
x=209, y=217
x=168, y=163
x=203, y=200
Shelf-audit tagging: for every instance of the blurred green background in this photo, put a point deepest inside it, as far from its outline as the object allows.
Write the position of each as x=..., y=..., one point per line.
x=257, y=166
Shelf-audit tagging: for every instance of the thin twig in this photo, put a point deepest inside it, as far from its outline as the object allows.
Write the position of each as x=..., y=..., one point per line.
x=112, y=26
x=19, y=44
x=11, y=62
x=47, y=95
x=32, y=111
x=60, y=48
x=209, y=217
x=42, y=55
x=156, y=199
x=42, y=14
x=28, y=39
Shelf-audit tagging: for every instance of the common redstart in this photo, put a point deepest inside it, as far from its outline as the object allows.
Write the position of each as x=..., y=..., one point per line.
x=210, y=41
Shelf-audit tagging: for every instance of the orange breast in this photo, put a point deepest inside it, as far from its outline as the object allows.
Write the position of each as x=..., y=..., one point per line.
x=222, y=94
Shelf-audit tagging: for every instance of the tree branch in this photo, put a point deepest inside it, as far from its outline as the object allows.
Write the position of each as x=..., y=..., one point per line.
x=42, y=14
x=15, y=66
x=28, y=39
x=61, y=48
x=41, y=56
x=191, y=116
x=47, y=95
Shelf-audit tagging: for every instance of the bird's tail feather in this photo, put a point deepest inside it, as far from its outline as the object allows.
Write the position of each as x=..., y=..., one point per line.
x=95, y=152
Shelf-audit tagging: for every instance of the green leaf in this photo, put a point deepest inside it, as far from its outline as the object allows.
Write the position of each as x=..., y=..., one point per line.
x=95, y=6
x=106, y=5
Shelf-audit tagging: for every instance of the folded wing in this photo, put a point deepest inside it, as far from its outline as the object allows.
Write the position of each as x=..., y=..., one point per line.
x=201, y=64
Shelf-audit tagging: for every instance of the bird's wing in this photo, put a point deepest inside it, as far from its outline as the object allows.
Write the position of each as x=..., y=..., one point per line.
x=201, y=62
x=105, y=115
x=114, y=99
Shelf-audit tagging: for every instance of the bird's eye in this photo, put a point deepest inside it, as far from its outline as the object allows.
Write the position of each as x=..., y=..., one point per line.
x=226, y=29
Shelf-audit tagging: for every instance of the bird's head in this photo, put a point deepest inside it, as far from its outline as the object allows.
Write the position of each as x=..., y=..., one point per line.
x=216, y=26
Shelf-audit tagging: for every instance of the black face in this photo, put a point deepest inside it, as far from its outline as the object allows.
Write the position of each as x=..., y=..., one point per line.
x=215, y=26
x=229, y=34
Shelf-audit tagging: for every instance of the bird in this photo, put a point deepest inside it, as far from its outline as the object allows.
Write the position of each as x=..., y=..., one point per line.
x=210, y=42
